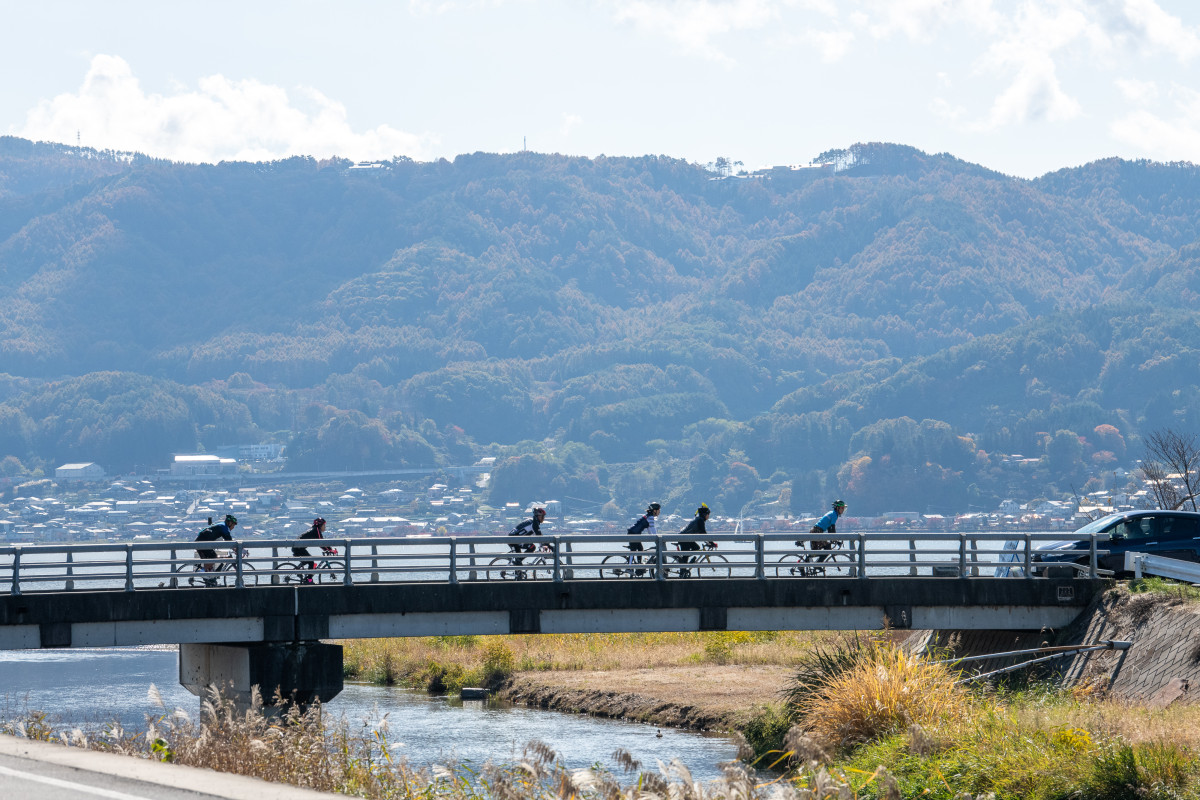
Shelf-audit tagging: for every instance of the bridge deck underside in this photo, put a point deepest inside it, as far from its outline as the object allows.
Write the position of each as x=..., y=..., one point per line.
x=299, y=613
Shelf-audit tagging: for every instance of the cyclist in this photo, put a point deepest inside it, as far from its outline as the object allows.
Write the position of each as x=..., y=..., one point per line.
x=317, y=531
x=530, y=527
x=826, y=524
x=222, y=530
x=694, y=527
x=646, y=522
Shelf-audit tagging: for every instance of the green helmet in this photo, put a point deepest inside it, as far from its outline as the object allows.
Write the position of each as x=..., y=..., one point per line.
x=230, y=519
x=839, y=504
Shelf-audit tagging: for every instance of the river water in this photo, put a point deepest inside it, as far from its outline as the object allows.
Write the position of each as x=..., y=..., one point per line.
x=91, y=688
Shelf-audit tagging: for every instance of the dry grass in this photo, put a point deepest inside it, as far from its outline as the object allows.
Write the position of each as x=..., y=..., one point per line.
x=297, y=748
x=1112, y=718
x=448, y=662
x=887, y=690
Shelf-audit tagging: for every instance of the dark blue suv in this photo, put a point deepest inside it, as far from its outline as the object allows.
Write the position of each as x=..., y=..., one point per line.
x=1171, y=534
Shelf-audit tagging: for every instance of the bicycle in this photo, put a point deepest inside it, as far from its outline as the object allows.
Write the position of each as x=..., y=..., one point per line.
x=705, y=564
x=530, y=567
x=817, y=562
x=225, y=572
x=325, y=570
x=637, y=564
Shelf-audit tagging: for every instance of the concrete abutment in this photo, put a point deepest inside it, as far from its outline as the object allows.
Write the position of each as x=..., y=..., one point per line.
x=299, y=672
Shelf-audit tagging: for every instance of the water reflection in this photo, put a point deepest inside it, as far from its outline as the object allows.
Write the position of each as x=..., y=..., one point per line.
x=94, y=687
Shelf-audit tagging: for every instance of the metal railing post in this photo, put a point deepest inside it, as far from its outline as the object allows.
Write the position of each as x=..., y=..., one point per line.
x=274, y=566
x=860, y=542
x=129, y=568
x=557, y=561
x=375, y=562
x=174, y=569
x=1028, y=556
x=237, y=565
x=471, y=549
x=348, y=579
x=453, y=560
x=962, y=555
x=70, y=571
x=1092, y=559
x=660, y=574
x=569, y=569
x=912, y=557
x=974, y=558
x=16, y=568
x=760, y=570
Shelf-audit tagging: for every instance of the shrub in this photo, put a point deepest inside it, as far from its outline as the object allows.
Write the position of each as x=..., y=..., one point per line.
x=1148, y=770
x=885, y=692
x=498, y=662
x=818, y=667
x=765, y=732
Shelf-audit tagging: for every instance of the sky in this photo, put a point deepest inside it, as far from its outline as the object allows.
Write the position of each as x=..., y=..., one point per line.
x=1024, y=87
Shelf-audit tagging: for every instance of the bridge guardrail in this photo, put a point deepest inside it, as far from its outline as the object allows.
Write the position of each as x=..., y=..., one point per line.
x=772, y=555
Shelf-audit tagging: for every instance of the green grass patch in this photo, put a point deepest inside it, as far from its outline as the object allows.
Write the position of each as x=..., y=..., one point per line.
x=1153, y=584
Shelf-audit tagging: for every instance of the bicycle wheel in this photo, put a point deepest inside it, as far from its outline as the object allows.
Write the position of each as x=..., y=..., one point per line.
x=331, y=572
x=791, y=566
x=713, y=565
x=539, y=568
x=290, y=572
x=617, y=566
x=200, y=579
x=249, y=575
x=682, y=569
x=500, y=568
x=839, y=565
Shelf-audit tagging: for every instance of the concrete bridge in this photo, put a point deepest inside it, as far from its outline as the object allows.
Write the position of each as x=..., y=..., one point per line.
x=262, y=625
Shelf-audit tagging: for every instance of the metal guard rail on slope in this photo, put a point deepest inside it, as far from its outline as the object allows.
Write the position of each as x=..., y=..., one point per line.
x=764, y=556
x=1172, y=568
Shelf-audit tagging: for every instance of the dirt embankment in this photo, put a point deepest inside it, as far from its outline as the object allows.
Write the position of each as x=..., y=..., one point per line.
x=1162, y=666
x=716, y=698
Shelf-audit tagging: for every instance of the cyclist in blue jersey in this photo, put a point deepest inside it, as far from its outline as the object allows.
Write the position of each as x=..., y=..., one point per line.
x=826, y=524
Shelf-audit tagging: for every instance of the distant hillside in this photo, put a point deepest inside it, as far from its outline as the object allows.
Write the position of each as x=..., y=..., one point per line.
x=617, y=329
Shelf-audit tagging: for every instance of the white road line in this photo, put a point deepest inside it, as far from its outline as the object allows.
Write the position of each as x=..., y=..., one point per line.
x=79, y=787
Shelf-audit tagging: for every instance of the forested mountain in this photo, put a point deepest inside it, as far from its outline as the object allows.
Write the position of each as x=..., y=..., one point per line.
x=892, y=327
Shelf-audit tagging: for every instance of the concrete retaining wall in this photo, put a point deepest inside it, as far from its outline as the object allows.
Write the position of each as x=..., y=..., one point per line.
x=1162, y=666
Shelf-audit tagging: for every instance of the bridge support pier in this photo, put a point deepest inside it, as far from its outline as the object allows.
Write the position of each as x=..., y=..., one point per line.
x=301, y=671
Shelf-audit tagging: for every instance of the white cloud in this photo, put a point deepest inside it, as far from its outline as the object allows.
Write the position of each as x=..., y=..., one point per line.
x=922, y=20
x=1034, y=95
x=570, y=122
x=1143, y=25
x=1137, y=91
x=693, y=24
x=1173, y=139
x=219, y=120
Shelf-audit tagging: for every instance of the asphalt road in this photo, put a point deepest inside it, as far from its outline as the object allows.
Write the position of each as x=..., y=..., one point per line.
x=45, y=771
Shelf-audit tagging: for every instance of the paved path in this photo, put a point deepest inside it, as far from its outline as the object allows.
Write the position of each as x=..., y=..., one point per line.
x=45, y=771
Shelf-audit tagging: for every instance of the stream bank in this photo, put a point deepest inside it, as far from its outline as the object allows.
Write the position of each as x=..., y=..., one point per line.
x=701, y=697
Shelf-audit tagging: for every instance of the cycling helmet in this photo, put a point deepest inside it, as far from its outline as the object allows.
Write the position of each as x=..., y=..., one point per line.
x=539, y=511
x=839, y=503
x=318, y=522
x=703, y=509
x=230, y=519
x=653, y=507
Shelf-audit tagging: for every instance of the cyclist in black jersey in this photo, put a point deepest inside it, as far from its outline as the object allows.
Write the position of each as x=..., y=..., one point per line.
x=530, y=527
x=317, y=531
x=222, y=530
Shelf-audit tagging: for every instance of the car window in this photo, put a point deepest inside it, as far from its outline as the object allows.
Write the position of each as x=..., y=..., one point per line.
x=1180, y=527
x=1137, y=528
